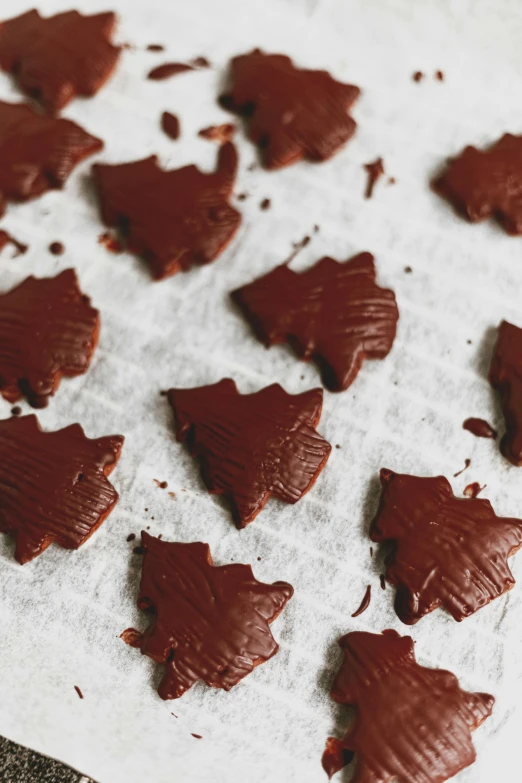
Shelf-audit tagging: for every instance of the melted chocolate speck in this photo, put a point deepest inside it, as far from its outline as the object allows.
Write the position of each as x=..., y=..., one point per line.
x=78, y=691
x=16, y=411
x=408, y=270
x=197, y=736
x=365, y=603
x=439, y=75
x=56, y=248
x=480, y=428
x=155, y=48
x=467, y=463
x=265, y=204
x=167, y=70
x=131, y=536
x=375, y=171
x=418, y=76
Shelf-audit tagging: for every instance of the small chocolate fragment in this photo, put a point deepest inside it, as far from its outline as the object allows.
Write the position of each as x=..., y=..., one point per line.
x=298, y=246
x=365, y=603
x=16, y=411
x=265, y=204
x=220, y=133
x=467, y=463
x=200, y=62
x=56, y=248
x=110, y=243
x=48, y=330
x=242, y=196
x=439, y=76
x=412, y=724
x=480, y=428
x=505, y=375
x=53, y=485
x=472, y=490
x=174, y=219
x=197, y=736
x=131, y=536
x=210, y=623
x=55, y=59
x=486, y=183
x=334, y=313
x=408, y=270
x=292, y=113
x=8, y=239
x=382, y=580
x=37, y=153
x=78, y=691
x=155, y=48
x=160, y=484
x=132, y=637
x=167, y=70
x=418, y=76
x=252, y=446
x=447, y=551
x=170, y=125
x=375, y=171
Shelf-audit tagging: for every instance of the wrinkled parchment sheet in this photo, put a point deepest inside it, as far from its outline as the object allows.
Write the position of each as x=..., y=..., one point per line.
x=61, y=615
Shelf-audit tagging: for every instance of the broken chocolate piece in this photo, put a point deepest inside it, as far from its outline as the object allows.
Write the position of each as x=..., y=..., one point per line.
x=473, y=489
x=37, y=153
x=167, y=70
x=170, y=125
x=174, y=219
x=486, y=183
x=292, y=113
x=375, y=171
x=412, y=724
x=418, y=76
x=365, y=603
x=480, y=428
x=48, y=330
x=55, y=59
x=210, y=623
x=448, y=551
x=505, y=375
x=265, y=204
x=200, y=62
x=252, y=446
x=220, y=133
x=439, y=75
x=53, y=485
x=333, y=313
x=7, y=239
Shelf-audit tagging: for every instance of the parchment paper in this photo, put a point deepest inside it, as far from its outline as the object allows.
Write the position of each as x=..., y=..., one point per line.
x=61, y=615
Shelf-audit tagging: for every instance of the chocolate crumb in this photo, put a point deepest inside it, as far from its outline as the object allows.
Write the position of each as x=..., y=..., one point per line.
x=259, y=558
x=148, y=527
x=375, y=171
x=337, y=446
x=78, y=691
x=265, y=204
x=383, y=582
x=439, y=76
x=160, y=484
x=175, y=716
x=172, y=495
x=364, y=603
x=131, y=536
x=155, y=48
x=197, y=736
x=16, y=411
x=408, y=270
x=297, y=247
x=371, y=551
x=56, y=248
x=200, y=62
x=316, y=228
x=467, y=463
x=418, y=76
x=391, y=180
x=146, y=509
x=242, y=196
x=468, y=342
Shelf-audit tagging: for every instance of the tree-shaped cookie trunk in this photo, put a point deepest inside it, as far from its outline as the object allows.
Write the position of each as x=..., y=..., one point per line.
x=53, y=485
x=252, y=446
x=334, y=313
x=447, y=551
x=210, y=623
x=412, y=724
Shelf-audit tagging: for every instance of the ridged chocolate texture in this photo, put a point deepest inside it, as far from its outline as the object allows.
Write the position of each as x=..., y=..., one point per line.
x=412, y=724
x=174, y=219
x=292, y=113
x=487, y=183
x=48, y=329
x=53, y=485
x=37, y=153
x=505, y=375
x=334, y=313
x=447, y=551
x=55, y=59
x=252, y=446
x=210, y=623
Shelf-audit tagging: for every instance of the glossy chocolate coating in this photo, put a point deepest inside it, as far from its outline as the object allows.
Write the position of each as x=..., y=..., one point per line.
x=210, y=623
x=48, y=329
x=505, y=375
x=252, y=446
x=55, y=59
x=334, y=313
x=487, y=183
x=174, y=219
x=448, y=551
x=37, y=153
x=292, y=113
x=53, y=485
x=412, y=724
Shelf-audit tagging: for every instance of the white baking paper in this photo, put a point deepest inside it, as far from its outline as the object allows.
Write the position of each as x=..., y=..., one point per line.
x=61, y=615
